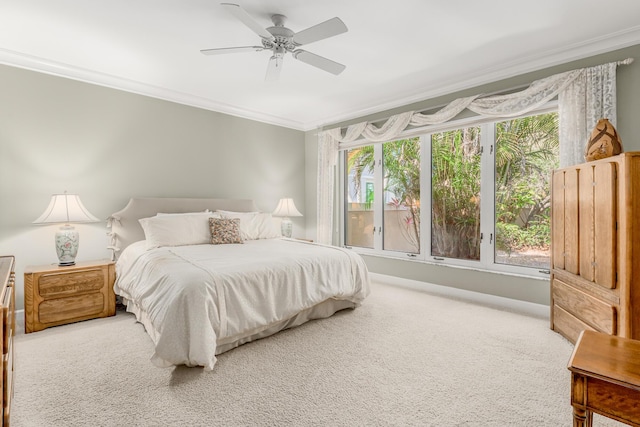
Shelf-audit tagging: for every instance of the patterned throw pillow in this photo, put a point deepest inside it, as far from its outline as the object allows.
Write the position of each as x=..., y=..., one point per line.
x=225, y=230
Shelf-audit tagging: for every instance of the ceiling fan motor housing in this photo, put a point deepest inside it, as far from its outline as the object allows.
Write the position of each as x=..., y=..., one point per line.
x=282, y=36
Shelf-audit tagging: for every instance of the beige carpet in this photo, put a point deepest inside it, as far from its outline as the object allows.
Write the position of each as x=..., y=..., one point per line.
x=405, y=358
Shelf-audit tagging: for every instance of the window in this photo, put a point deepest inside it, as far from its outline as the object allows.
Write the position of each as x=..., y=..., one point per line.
x=526, y=151
x=455, y=194
x=401, y=171
x=486, y=195
x=359, y=215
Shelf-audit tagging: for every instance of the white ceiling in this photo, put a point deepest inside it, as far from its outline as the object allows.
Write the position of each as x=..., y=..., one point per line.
x=395, y=52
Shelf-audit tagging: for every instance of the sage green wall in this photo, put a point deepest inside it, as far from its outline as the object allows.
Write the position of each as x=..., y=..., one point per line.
x=516, y=287
x=107, y=145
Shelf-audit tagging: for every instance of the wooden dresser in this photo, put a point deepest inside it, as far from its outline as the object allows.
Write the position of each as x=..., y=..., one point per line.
x=595, y=228
x=56, y=295
x=8, y=301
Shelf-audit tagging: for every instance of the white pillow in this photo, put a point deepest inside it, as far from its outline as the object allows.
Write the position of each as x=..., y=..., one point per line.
x=177, y=230
x=270, y=227
x=204, y=212
x=255, y=225
x=231, y=213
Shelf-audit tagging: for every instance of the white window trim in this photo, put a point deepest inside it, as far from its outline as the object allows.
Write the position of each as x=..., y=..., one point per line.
x=487, y=226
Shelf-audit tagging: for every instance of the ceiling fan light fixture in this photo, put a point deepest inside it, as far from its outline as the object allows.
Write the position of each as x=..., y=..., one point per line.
x=274, y=68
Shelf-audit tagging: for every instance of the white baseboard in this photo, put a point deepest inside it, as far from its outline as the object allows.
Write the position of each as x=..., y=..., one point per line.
x=529, y=308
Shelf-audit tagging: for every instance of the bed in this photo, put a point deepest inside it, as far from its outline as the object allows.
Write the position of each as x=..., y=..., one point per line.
x=197, y=299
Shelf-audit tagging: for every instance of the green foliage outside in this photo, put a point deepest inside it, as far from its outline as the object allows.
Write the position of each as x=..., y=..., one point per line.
x=526, y=152
x=455, y=193
x=401, y=160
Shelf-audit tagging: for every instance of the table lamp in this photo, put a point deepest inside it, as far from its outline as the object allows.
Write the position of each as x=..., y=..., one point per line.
x=285, y=209
x=66, y=209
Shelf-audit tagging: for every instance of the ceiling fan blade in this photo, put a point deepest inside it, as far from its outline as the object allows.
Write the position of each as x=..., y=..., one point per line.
x=323, y=30
x=223, y=50
x=274, y=68
x=319, y=61
x=247, y=20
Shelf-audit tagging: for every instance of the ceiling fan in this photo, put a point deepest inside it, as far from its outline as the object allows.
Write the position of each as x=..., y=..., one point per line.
x=280, y=40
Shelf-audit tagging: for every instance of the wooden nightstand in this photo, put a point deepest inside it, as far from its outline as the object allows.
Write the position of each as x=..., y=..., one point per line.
x=56, y=295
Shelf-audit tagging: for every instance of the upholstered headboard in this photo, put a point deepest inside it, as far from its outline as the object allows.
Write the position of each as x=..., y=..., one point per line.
x=125, y=228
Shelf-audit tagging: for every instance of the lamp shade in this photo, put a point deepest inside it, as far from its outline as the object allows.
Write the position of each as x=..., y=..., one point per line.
x=286, y=208
x=65, y=208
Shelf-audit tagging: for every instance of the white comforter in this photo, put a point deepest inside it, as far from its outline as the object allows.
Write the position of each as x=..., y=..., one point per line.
x=193, y=298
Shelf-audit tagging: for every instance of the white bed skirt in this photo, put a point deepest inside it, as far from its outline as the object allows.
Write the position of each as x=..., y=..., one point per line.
x=320, y=311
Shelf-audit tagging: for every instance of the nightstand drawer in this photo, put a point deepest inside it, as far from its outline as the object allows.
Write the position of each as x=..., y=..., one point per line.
x=70, y=308
x=62, y=284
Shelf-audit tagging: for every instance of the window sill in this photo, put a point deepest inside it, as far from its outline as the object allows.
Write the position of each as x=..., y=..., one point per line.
x=523, y=274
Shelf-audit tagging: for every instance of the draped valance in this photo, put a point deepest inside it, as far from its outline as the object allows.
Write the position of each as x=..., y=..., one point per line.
x=584, y=96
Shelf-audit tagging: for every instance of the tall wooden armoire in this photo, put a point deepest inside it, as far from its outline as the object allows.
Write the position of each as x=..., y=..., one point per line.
x=595, y=247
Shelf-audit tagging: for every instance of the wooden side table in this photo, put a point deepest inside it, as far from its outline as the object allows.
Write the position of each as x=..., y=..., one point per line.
x=605, y=378
x=55, y=295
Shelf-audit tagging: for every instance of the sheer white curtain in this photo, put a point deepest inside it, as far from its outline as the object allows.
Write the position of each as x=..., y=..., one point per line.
x=328, y=147
x=327, y=160
x=584, y=96
x=589, y=97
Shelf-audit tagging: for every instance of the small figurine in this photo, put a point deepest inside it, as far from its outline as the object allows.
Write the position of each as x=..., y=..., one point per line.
x=604, y=141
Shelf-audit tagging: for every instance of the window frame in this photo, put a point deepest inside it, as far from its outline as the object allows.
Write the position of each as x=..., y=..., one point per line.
x=487, y=198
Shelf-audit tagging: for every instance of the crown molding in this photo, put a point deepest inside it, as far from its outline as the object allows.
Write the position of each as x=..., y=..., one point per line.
x=33, y=63
x=577, y=51
x=523, y=65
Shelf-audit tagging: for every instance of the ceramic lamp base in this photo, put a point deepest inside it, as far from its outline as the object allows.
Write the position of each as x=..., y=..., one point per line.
x=67, y=239
x=286, y=227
